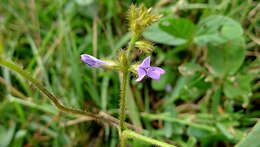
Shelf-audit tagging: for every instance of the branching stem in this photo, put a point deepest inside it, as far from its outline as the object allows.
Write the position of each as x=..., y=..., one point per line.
x=101, y=116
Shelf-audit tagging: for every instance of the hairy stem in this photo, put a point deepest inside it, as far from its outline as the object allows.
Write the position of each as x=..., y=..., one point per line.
x=101, y=116
x=127, y=134
x=122, y=114
x=123, y=100
x=123, y=82
x=45, y=91
x=131, y=45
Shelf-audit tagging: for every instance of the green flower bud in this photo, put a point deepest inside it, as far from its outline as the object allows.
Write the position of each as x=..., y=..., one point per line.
x=134, y=67
x=145, y=46
x=110, y=64
x=123, y=60
x=140, y=18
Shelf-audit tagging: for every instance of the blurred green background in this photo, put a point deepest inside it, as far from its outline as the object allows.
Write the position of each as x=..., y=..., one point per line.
x=210, y=95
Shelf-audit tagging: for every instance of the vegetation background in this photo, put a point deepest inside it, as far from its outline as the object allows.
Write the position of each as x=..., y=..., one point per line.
x=208, y=97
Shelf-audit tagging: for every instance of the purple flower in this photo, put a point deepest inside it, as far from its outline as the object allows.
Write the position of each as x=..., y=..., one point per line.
x=91, y=61
x=145, y=69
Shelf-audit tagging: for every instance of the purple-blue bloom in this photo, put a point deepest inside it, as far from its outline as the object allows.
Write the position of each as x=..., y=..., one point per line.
x=91, y=61
x=145, y=69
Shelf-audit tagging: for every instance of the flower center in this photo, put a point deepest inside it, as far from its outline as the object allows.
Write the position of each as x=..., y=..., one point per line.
x=146, y=69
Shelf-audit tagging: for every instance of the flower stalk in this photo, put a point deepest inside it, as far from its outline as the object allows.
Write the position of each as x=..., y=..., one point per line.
x=122, y=114
x=131, y=45
x=125, y=59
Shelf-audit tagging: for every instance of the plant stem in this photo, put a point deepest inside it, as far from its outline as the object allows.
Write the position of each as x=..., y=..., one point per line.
x=131, y=134
x=131, y=45
x=176, y=120
x=123, y=100
x=101, y=116
x=45, y=91
x=123, y=83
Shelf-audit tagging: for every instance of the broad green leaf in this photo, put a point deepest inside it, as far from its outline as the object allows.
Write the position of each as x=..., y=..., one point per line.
x=178, y=27
x=225, y=59
x=239, y=86
x=217, y=29
x=194, y=88
x=252, y=139
x=155, y=34
x=190, y=68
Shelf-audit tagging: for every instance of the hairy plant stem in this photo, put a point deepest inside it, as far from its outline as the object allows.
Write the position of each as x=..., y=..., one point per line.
x=122, y=114
x=127, y=134
x=123, y=100
x=45, y=91
x=101, y=116
x=131, y=45
x=123, y=82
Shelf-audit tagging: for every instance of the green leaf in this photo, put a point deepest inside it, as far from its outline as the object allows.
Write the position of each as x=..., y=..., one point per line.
x=252, y=139
x=198, y=133
x=190, y=68
x=224, y=130
x=194, y=88
x=19, y=137
x=6, y=135
x=226, y=59
x=217, y=29
x=178, y=27
x=239, y=86
x=84, y=2
x=155, y=34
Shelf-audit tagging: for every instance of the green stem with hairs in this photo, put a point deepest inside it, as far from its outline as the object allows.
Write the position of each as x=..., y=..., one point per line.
x=102, y=117
x=131, y=45
x=123, y=82
x=127, y=134
x=122, y=114
x=123, y=100
x=45, y=91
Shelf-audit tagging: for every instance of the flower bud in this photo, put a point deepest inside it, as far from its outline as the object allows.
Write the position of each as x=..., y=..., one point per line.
x=140, y=18
x=94, y=62
x=123, y=60
x=133, y=68
x=112, y=65
x=145, y=46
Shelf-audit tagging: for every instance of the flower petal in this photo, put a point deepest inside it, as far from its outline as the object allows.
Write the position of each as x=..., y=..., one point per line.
x=141, y=74
x=146, y=62
x=157, y=69
x=155, y=73
x=91, y=61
